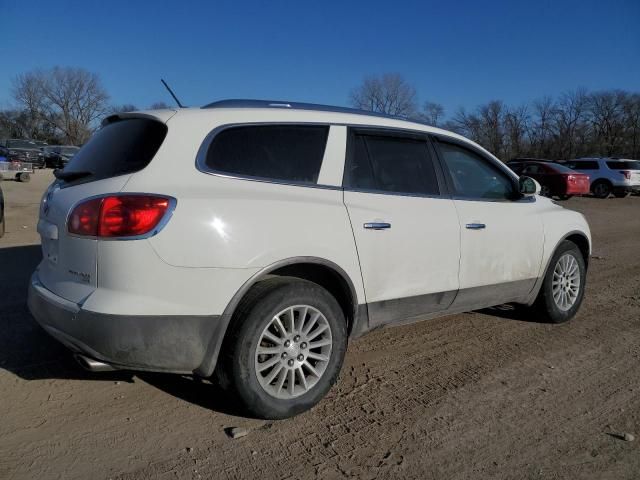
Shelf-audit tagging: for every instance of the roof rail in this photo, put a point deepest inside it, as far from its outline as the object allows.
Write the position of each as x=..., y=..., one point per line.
x=245, y=103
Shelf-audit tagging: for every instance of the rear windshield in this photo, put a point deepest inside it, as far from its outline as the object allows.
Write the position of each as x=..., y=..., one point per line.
x=560, y=168
x=119, y=148
x=624, y=165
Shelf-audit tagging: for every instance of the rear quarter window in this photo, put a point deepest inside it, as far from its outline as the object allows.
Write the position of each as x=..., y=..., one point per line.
x=623, y=165
x=287, y=153
x=119, y=148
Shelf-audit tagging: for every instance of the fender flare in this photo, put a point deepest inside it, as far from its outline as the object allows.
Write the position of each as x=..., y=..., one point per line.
x=360, y=317
x=538, y=285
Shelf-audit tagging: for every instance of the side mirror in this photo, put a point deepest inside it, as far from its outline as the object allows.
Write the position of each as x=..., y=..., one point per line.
x=528, y=187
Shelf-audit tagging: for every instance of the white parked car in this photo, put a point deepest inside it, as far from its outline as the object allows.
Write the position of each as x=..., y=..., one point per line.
x=254, y=239
x=609, y=175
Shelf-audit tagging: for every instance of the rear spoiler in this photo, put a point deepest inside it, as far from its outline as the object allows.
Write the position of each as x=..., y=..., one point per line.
x=159, y=115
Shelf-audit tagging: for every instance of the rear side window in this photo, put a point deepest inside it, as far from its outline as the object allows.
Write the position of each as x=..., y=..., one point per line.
x=119, y=148
x=586, y=165
x=291, y=153
x=623, y=165
x=391, y=164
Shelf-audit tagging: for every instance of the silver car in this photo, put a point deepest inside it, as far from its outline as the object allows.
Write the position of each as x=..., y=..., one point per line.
x=619, y=176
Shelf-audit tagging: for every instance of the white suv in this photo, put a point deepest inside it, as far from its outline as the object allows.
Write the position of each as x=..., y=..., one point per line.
x=609, y=175
x=253, y=239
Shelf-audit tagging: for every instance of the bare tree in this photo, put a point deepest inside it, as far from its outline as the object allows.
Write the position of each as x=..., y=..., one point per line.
x=71, y=100
x=516, y=126
x=126, y=107
x=432, y=113
x=159, y=106
x=389, y=93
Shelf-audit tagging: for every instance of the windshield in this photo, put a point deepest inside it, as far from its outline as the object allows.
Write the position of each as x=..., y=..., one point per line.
x=21, y=144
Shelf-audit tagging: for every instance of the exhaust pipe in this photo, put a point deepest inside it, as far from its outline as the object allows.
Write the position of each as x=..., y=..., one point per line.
x=93, y=365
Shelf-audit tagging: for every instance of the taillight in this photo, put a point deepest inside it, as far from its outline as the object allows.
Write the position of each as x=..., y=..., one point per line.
x=626, y=173
x=118, y=215
x=571, y=178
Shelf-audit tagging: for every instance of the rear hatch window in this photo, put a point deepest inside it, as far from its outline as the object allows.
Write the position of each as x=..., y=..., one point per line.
x=121, y=147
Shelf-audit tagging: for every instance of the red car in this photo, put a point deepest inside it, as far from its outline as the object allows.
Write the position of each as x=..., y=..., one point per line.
x=556, y=180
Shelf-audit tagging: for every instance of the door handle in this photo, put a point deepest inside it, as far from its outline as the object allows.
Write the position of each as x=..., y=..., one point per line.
x=377, y=225
x=475, y=226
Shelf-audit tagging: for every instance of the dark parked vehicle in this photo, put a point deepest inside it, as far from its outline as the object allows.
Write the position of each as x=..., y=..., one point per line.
x=24, y=150
x=57, y=156
x=1, y=213
x=555, y=180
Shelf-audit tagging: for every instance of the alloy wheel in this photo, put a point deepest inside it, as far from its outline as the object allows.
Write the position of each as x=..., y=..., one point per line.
x=565, y=285
x=293, y=351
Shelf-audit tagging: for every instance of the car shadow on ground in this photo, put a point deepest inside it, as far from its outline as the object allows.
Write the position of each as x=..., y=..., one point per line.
x=512, y=311
x=28, y=352
x=26, y=349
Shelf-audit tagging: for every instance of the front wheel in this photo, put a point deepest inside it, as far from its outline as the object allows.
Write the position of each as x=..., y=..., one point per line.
x=563, y=286
x=564, y=197
x=285, y=348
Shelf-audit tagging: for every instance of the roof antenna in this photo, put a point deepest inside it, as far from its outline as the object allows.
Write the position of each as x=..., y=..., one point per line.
x=172, y=94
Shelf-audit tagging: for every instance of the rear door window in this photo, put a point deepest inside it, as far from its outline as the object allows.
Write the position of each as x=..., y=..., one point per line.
x=288, y=153
x=393, y=164
x=119, y=148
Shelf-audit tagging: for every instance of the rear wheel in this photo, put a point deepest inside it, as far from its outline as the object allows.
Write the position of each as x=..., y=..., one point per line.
x=601, y=189
x=286, y=347
x=563, y=286
x=564, y=197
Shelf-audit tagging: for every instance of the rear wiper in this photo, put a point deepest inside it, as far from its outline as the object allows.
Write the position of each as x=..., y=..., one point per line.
x=70, y=176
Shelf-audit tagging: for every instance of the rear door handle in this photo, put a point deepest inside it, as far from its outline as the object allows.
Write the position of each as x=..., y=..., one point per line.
x=475, y=226
x=377, y=225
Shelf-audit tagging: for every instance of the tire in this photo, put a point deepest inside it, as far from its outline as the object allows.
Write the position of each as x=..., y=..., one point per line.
x=566, y=255
x=601, y=189
x=23, y=177
x=621, y=194
x=545, y=191
x=564, y=197
x=257, y=390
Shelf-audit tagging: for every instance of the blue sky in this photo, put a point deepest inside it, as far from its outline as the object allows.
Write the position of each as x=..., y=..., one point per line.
x=456, y=53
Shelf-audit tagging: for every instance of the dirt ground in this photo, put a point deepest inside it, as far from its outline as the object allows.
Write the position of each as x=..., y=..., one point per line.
x=489, y=394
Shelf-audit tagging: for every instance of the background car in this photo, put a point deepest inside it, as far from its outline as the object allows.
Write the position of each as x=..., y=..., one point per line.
x=57, y=156
x=1, y=213
x=555, y=180
x=609, y=175
x=24, y=150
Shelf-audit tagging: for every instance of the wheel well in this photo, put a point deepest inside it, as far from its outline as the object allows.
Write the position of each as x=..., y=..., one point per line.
x=327, y=278
x=602, y=180
x=582, y=243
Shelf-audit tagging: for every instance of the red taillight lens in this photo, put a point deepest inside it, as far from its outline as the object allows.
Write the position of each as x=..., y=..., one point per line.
x=84, y=218
x=627, y=174
x=118, y=216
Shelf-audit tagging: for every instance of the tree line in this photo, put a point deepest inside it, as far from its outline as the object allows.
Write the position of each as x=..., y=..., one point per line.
x=64, y=105
x=61, y=105
x=575, y=124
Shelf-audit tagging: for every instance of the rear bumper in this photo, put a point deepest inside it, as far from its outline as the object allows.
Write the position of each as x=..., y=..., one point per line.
x=162, y=343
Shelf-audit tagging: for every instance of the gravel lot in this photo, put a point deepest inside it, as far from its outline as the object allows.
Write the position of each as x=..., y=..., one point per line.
x=491, y=394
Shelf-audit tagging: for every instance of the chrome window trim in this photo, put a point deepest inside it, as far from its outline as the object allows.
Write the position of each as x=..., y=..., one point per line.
x=201, y=156
x=163, y=222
